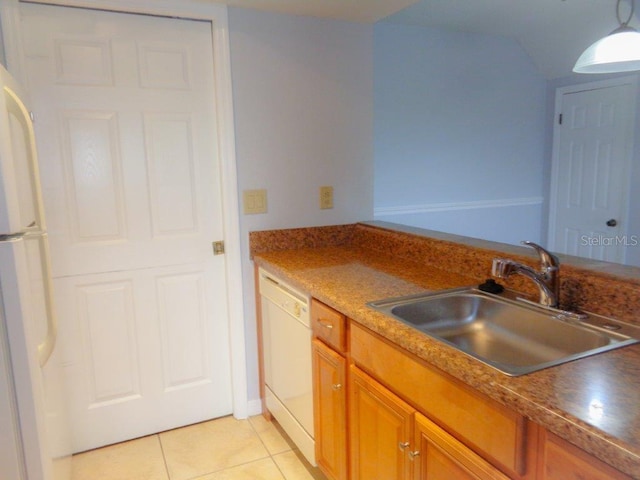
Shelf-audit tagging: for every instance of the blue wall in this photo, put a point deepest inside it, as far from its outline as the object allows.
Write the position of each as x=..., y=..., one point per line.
x=459, y=133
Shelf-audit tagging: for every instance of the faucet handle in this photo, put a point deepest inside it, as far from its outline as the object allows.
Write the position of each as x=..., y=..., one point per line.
x=547, y=259
x=499, y=267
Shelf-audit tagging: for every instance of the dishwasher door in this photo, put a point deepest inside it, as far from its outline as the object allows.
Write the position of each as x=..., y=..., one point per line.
x=286, y=341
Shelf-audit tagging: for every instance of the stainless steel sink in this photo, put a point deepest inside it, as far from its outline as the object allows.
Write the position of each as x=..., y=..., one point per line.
x=508, y=334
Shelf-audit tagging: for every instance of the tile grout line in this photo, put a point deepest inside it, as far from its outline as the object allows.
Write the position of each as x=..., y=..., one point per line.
x=164, y=457
x=264, y=436
x=267, y=448
x=269, y=455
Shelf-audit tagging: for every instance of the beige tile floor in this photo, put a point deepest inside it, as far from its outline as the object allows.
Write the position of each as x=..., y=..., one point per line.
x=221, y=449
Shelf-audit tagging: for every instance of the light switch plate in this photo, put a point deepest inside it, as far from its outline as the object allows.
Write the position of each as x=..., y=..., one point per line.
x=254, y=201
x=326, y=197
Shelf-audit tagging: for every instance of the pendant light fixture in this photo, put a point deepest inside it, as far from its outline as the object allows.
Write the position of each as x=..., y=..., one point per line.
x=617, y=52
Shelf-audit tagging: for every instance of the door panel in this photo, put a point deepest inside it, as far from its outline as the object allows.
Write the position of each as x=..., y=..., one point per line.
x=93, y=174
x=132, y=177
x=172, y=184
x=330, y=410
x=380, y=430
x=141, y=352
x=441, y=456
x=591, y=173
x=126, y=124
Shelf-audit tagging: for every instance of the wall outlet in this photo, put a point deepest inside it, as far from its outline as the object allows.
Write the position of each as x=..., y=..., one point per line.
x=254, y=201
x=326, y=197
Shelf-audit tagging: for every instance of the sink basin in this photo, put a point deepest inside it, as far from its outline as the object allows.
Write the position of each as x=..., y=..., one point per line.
x=513, y=336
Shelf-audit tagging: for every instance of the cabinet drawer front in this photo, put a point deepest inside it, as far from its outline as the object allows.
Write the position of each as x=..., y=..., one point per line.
x=329, y=325
x=487, y=427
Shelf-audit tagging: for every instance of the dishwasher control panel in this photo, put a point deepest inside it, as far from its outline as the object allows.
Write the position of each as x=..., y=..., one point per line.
x=290, y=300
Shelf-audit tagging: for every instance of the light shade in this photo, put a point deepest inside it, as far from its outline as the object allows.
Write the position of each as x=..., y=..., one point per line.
x=617, y=52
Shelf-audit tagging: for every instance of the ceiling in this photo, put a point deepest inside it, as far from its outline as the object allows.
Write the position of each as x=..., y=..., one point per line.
x=553, y=32
x=368, y=11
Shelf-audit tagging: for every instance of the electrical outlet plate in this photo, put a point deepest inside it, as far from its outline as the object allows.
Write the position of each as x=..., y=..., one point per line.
x=326, y=197
x=254, y=201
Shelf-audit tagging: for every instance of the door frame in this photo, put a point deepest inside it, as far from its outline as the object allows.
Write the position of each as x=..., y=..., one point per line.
x=216, y=15
x=555, y=160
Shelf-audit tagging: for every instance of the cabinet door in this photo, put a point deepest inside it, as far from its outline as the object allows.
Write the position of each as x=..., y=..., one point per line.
x=439, y=456
x=560, y=460
x=330, y=411
x=380, y=430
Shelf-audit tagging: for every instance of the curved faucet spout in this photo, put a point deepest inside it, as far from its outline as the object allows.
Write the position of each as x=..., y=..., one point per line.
x=547, y=259
x=547, y=279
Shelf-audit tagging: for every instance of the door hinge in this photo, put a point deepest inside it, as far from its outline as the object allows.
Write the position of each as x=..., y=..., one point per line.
x=218, y=247
x=560, y=119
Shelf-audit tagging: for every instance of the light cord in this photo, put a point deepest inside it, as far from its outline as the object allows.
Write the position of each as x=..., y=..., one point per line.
x=624, y=24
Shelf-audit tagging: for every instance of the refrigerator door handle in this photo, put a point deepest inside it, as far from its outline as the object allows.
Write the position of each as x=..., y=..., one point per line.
x=19, y=109
x=15, y=104
x=45, y=348
x=11, y=236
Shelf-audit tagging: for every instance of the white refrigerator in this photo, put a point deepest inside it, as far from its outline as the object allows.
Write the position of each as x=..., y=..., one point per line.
x=34, y=439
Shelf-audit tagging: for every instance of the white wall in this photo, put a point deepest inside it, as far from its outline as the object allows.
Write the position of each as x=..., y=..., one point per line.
x=459, y=133
x=303, y=103
x=3, y=59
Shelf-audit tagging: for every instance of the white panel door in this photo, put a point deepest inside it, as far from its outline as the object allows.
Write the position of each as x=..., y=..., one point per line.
x=593, y=151
x=126, y=125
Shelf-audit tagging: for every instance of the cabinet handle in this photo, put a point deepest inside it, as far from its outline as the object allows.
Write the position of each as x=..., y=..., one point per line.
x=326, y=325
x=403, y=445
x=336, y=386
x=414, y=454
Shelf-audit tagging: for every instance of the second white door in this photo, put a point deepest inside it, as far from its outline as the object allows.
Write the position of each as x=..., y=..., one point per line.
x=593, y=141
x=126, y=125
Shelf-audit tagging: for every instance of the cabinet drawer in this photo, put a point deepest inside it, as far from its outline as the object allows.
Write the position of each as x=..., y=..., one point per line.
x=494, y=431
x=329, y=325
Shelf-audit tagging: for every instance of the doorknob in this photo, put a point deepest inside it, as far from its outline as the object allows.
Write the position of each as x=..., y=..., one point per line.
x=612, y=223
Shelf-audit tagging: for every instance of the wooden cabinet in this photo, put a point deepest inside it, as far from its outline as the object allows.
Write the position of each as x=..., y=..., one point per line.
x=391, y=440
x=439, y=456
x=329, y=326
x=560, y=460
x=495, y=432
x=330, y=410
x=330, y=390
x=380, y=431
x=381, y=413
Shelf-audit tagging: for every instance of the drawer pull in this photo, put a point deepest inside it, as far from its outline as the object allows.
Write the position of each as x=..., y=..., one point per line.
x=413, y=455
x=336, y=386
x=326, y=325
x=403, y=445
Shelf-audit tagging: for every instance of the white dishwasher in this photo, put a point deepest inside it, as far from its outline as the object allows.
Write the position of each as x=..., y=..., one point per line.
x=286, y=342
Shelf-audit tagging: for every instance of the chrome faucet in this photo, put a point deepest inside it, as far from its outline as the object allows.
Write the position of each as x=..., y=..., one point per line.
x=547, y=279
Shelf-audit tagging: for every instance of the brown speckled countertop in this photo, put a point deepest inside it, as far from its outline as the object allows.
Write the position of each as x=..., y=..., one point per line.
x=594, y=402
